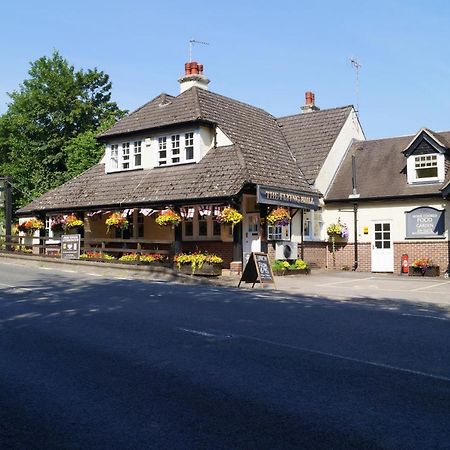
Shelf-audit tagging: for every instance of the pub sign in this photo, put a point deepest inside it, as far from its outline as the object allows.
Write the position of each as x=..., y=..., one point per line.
x=282, y=197
x=425, y=222
x=70, y=246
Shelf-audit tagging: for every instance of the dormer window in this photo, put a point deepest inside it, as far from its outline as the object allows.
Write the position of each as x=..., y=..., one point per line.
x=114, y=157
x=426, y=158
x=125, y=156
x=426, y=166
x=189, y=145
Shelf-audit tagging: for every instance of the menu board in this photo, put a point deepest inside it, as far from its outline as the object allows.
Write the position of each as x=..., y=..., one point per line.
x=257, y=270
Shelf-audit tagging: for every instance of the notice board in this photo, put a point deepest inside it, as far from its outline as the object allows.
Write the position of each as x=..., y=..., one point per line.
x=70, y=246
x=257, y=270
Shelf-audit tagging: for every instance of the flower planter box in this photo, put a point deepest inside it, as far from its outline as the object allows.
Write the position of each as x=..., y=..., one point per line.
x=207, y=270
x=418, y=272
x=280, y=273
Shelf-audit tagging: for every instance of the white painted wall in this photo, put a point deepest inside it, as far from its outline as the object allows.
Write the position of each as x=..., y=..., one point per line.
x=222, y=139
x=380, y=211
x=350, y=132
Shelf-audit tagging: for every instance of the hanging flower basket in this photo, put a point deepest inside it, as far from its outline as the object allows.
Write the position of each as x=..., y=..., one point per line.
x=229, y=216
x=279, y=216
x=168, y=217
x=57, y=225
x=338, y=230
x=72, y=222
x=116, y=221
x=30, y=226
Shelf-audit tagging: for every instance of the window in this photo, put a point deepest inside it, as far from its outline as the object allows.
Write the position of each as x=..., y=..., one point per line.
x=137, y=153
x=114, y=157
x=126, y=155
x=312, y=224
x=275, y=232
x=216, y=228
x=162, y=152
x=189, y=228
x=202, y=226
x=426, y=166
x=175, y=140
x=189, y=146
x=174, y=149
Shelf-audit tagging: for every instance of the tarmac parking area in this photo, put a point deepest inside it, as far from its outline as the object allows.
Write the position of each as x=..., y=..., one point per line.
x=345, y=285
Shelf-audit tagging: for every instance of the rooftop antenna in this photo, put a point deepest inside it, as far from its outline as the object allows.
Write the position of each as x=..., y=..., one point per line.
x=356, y=65
x=191, y=44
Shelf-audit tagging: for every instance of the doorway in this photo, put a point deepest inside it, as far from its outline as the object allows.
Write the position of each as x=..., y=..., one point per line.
x=382, y=247
x=251, y=236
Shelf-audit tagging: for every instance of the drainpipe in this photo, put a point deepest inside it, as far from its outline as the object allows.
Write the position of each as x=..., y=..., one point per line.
x=355, y=213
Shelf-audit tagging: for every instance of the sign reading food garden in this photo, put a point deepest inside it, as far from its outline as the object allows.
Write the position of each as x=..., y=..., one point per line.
x=272, y=196
x=70, y=246
x=425, y=222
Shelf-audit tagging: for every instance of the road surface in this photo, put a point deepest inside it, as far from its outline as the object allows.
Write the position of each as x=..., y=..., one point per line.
x=93, y=362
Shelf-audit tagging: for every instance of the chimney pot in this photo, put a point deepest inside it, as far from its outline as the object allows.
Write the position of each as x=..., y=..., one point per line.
x=200, y=69
x=194, y=68
x=310, y=102
x=309, y=98
x=187, y=68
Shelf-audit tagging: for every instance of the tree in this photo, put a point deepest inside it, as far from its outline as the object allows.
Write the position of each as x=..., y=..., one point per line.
x=47, y=134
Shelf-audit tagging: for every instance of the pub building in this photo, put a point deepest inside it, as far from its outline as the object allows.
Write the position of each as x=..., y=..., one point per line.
x=199, y=152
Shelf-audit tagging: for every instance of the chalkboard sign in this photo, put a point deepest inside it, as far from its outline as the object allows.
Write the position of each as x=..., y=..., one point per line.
x=257, y=270
x=70, y=246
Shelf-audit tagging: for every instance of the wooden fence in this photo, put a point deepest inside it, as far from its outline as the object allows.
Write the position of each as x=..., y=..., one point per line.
x=51, y=246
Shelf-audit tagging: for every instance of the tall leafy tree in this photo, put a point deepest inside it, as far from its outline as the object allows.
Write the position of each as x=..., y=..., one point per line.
x=47, y=134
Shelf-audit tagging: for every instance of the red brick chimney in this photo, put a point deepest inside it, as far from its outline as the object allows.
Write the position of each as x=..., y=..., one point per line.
x=310, y=105
x=193, y=76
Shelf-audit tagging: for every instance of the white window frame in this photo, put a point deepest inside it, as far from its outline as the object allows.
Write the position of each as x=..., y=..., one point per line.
x=436, y=159
x=125, y=156
x=176, y=147
x=137, y=154
x=114, y=156
x=313, y=224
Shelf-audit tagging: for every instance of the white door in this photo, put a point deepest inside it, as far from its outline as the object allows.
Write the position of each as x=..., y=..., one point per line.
x=250, y=235
x=382, y=248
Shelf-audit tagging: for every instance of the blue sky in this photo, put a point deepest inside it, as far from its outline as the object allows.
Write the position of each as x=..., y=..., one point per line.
x=263, y=53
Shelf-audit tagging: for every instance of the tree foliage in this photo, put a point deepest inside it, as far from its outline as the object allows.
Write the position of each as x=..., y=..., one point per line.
x=47, y=134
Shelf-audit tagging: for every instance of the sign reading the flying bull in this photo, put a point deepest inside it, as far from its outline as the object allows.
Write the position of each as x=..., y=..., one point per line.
x=425, y=222
x=273, y=196
x=70, y=246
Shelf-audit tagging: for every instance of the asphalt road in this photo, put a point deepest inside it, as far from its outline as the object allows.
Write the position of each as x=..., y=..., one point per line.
x=90, y=362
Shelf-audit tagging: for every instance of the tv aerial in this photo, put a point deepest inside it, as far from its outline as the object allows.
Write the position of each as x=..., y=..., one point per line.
x=191, y=45
x=357, y=66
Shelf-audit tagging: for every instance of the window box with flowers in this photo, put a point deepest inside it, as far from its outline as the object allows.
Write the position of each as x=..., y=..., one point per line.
x=168, y=218
x=116, y=221
x=145, y=258
x=282, y=267
x=424, y=267
x=199, y=264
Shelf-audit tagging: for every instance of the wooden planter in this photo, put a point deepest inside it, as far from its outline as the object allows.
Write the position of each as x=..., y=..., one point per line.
x=418, y=272
x=207, y=270
x=280, y=273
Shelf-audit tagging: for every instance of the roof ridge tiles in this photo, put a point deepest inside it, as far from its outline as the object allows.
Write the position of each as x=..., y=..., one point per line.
x=315, y=113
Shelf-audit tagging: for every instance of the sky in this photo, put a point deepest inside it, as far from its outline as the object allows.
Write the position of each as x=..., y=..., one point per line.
x=263, y=53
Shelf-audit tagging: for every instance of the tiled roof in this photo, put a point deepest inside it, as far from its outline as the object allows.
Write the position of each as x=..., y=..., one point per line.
x=260, y=154
x=311, y=136
x=381, y=171
x=217, y=175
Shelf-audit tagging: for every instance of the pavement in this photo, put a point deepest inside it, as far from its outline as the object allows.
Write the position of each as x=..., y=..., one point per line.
x=338, y=285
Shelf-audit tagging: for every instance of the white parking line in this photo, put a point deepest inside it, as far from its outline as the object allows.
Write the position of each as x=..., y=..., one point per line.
x=348, y=358
x=345, y=281
x=426, y=316
x=94, y=274
x=431, y=286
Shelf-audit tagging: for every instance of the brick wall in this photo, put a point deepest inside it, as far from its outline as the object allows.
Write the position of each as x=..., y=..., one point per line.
x=222, y=249
x=437, y=251
x=314, y=253
x=345, y=256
